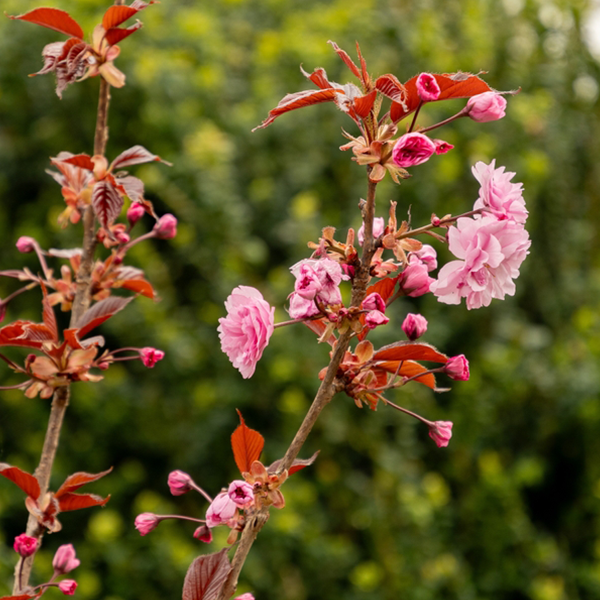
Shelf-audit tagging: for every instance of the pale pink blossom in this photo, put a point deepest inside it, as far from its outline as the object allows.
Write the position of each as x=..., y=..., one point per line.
x=489, y=106
x=497, y=194
x=329, y=274
x=166, y=227
x=26, y=244
x=65, y=560
x=150, y=356
x=68, y=587
x=412, y=149
x=204, y=534
x=374, y=319
x=179, y=483
x=414, y=280
x=25, y=545
x=241, y=492
x=221, y=510
x=428, y=255
x=247, y=328
x=490, y=253
x=301, y=308
x=441, y=147
x=135, y=212
x=427, y=87
x=378, y=229
x=457, y=368
x=307, y=282
x=414, y=326
x=246, y=596
x=374, y=302
x=441, y=432
x=147, y=522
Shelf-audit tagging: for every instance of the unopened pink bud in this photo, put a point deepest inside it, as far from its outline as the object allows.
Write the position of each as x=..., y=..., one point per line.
x=427, y=87
x=122, y=237
x=25, y=545
x=374, y=302
x=441, y=432
x=134, y=213
x=150, y=356
x=67, y=586
x=65, y=560
x=179, y=483
x=147, y=522
x=441, y=147
x=246, y=596
x=378, y=229
x=457, y=368
x=349, y=270
x=374, y=319
x=412, y=149
x=241, y=492
x=414, y=326
x=204, y=534
x=488, y=106
x=26, y=244
x=166, y=228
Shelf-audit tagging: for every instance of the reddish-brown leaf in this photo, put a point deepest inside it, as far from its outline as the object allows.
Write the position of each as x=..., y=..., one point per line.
x=391, y=87
x=116, y=15
x=408, y=368
x=53, y=18
x=38, y=332
x=21, y=597
x=452, y=85
x=12, y=335
x=75, y=481
x=364, y=104
x=409, y=351
x=140, y=286
x=344, y=56
x=318, y=77
x=28, y=483
x=134, y=156
x=297, y=465
x=48, y=316
x=78, y=501
x=299, y=100
x=106, y=202
x=132, y=187
x=83, y=161
x=247, y=444
x=100, y=312
x=116, y=34
x=206, y=576
x=71, y=338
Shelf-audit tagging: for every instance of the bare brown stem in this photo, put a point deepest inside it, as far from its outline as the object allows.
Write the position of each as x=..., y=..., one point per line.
x=328, y=388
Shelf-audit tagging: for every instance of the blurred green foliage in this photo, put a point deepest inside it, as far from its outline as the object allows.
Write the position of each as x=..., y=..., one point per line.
x=511, y=509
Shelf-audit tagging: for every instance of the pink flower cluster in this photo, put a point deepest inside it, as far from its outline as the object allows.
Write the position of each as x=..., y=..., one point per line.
x=489, y=247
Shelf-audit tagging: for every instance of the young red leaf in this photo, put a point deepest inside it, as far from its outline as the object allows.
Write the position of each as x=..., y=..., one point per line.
x=75, y=481
x=344, y=56
x=38, y=332
x=140, y=286
x=48, y=316
x=206, y=576
x=21, y=597
x=12, y=335
x=71, y=338
x=78, y=501
x=116, y=34
x=363, y=104
x=84, y=161
x=132, y=187
x=28, y=483
x=409, y=368
x=106, y=202
x=409, y=351
x=53, y=18
x=100, y=312
x=297, y=465
x=390, y=86
x=116, y=15
x=247, y=444
x=318, y=77
x=134, y=156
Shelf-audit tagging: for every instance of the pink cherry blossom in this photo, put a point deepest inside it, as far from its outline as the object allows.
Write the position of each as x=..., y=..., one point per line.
x=412, y=149
x=150, y=356
x=440, y=432
x=301, y=308
x=204, y=534
x=247, y=328
x=374, y=319
x=497, y=194
x=307, y=282
x=457, y=368
x=490, y=253
x=147, y=522
x=241, y=492
x=166, y=227
x=378, y=229
x=428, y=255
x=25, y=545
x=179, y=483
x=221, y=509
x=246, y=596
x=489, y=106
x=374, y=302
x=135, y=212
x=26, y=244
x=65, y=560
x=441, y=147
x=414, y=280
x=427, y=87
x=329, y=274
x=414, y=326
x=68, y=587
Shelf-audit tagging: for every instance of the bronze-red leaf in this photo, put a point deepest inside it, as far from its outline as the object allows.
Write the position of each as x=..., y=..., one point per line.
x=53, y=18
x=12, y=335
x=247, y=444
x=84, y=161
x=140, y=286
x=106, y=202
x=100, y=312
x=364, y=104
x=28, y=483
x=346, y=58
x=71, y=501
x=409, y=351
x=134, y=156
x=75, y=481
x=408, y=368
x=206, y=576
x=116, y=15
x=115, y=34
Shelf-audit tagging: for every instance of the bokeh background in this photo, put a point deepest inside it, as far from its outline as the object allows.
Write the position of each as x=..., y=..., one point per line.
x=511, y=509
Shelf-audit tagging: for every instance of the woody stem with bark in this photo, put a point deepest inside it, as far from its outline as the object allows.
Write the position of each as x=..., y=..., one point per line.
x=81, y=303
x=328, y=388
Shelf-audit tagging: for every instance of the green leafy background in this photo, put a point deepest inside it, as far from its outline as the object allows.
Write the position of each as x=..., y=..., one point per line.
x=511, y=509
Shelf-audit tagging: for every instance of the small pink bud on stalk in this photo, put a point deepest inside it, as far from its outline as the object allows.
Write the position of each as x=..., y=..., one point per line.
x=134, y=213
x=241, y=492
x=440, y=432
x=485, y=107
x=25, y=545
x=414, y=326
x=166, y=228
x=412, y=149
x=67, y=587
x=246, y=596
x=427, y=87
x=374, y=302
x=150, y=356
x=26, y=244
x=179, y=483
x=147, y=522
x=457, y=368
x=65, y=560
x=374, y=319
x=204, y=534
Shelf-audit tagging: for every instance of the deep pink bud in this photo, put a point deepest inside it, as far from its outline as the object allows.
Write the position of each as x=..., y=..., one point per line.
x=26, y=244
x=374, y=302
x=204, y=534
x=65, y=560
x=488, y=106
x=414, y=326
x=457, y=368
x=349, y=270
x=179, y=483
x=412, y=149
x=441, y=147
x=414, y=280
x=427, y=87
x=67, y=586
x=146, y=522
x=25, y=545
x=135, y=212
x=428, y=255
x=166, y=228
x=246, y=596
x=374, y=319
x=378, y=229
x=441, y=432
x=150, y=356
x=241, y=492
x=222, y=509
x=122, y=237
